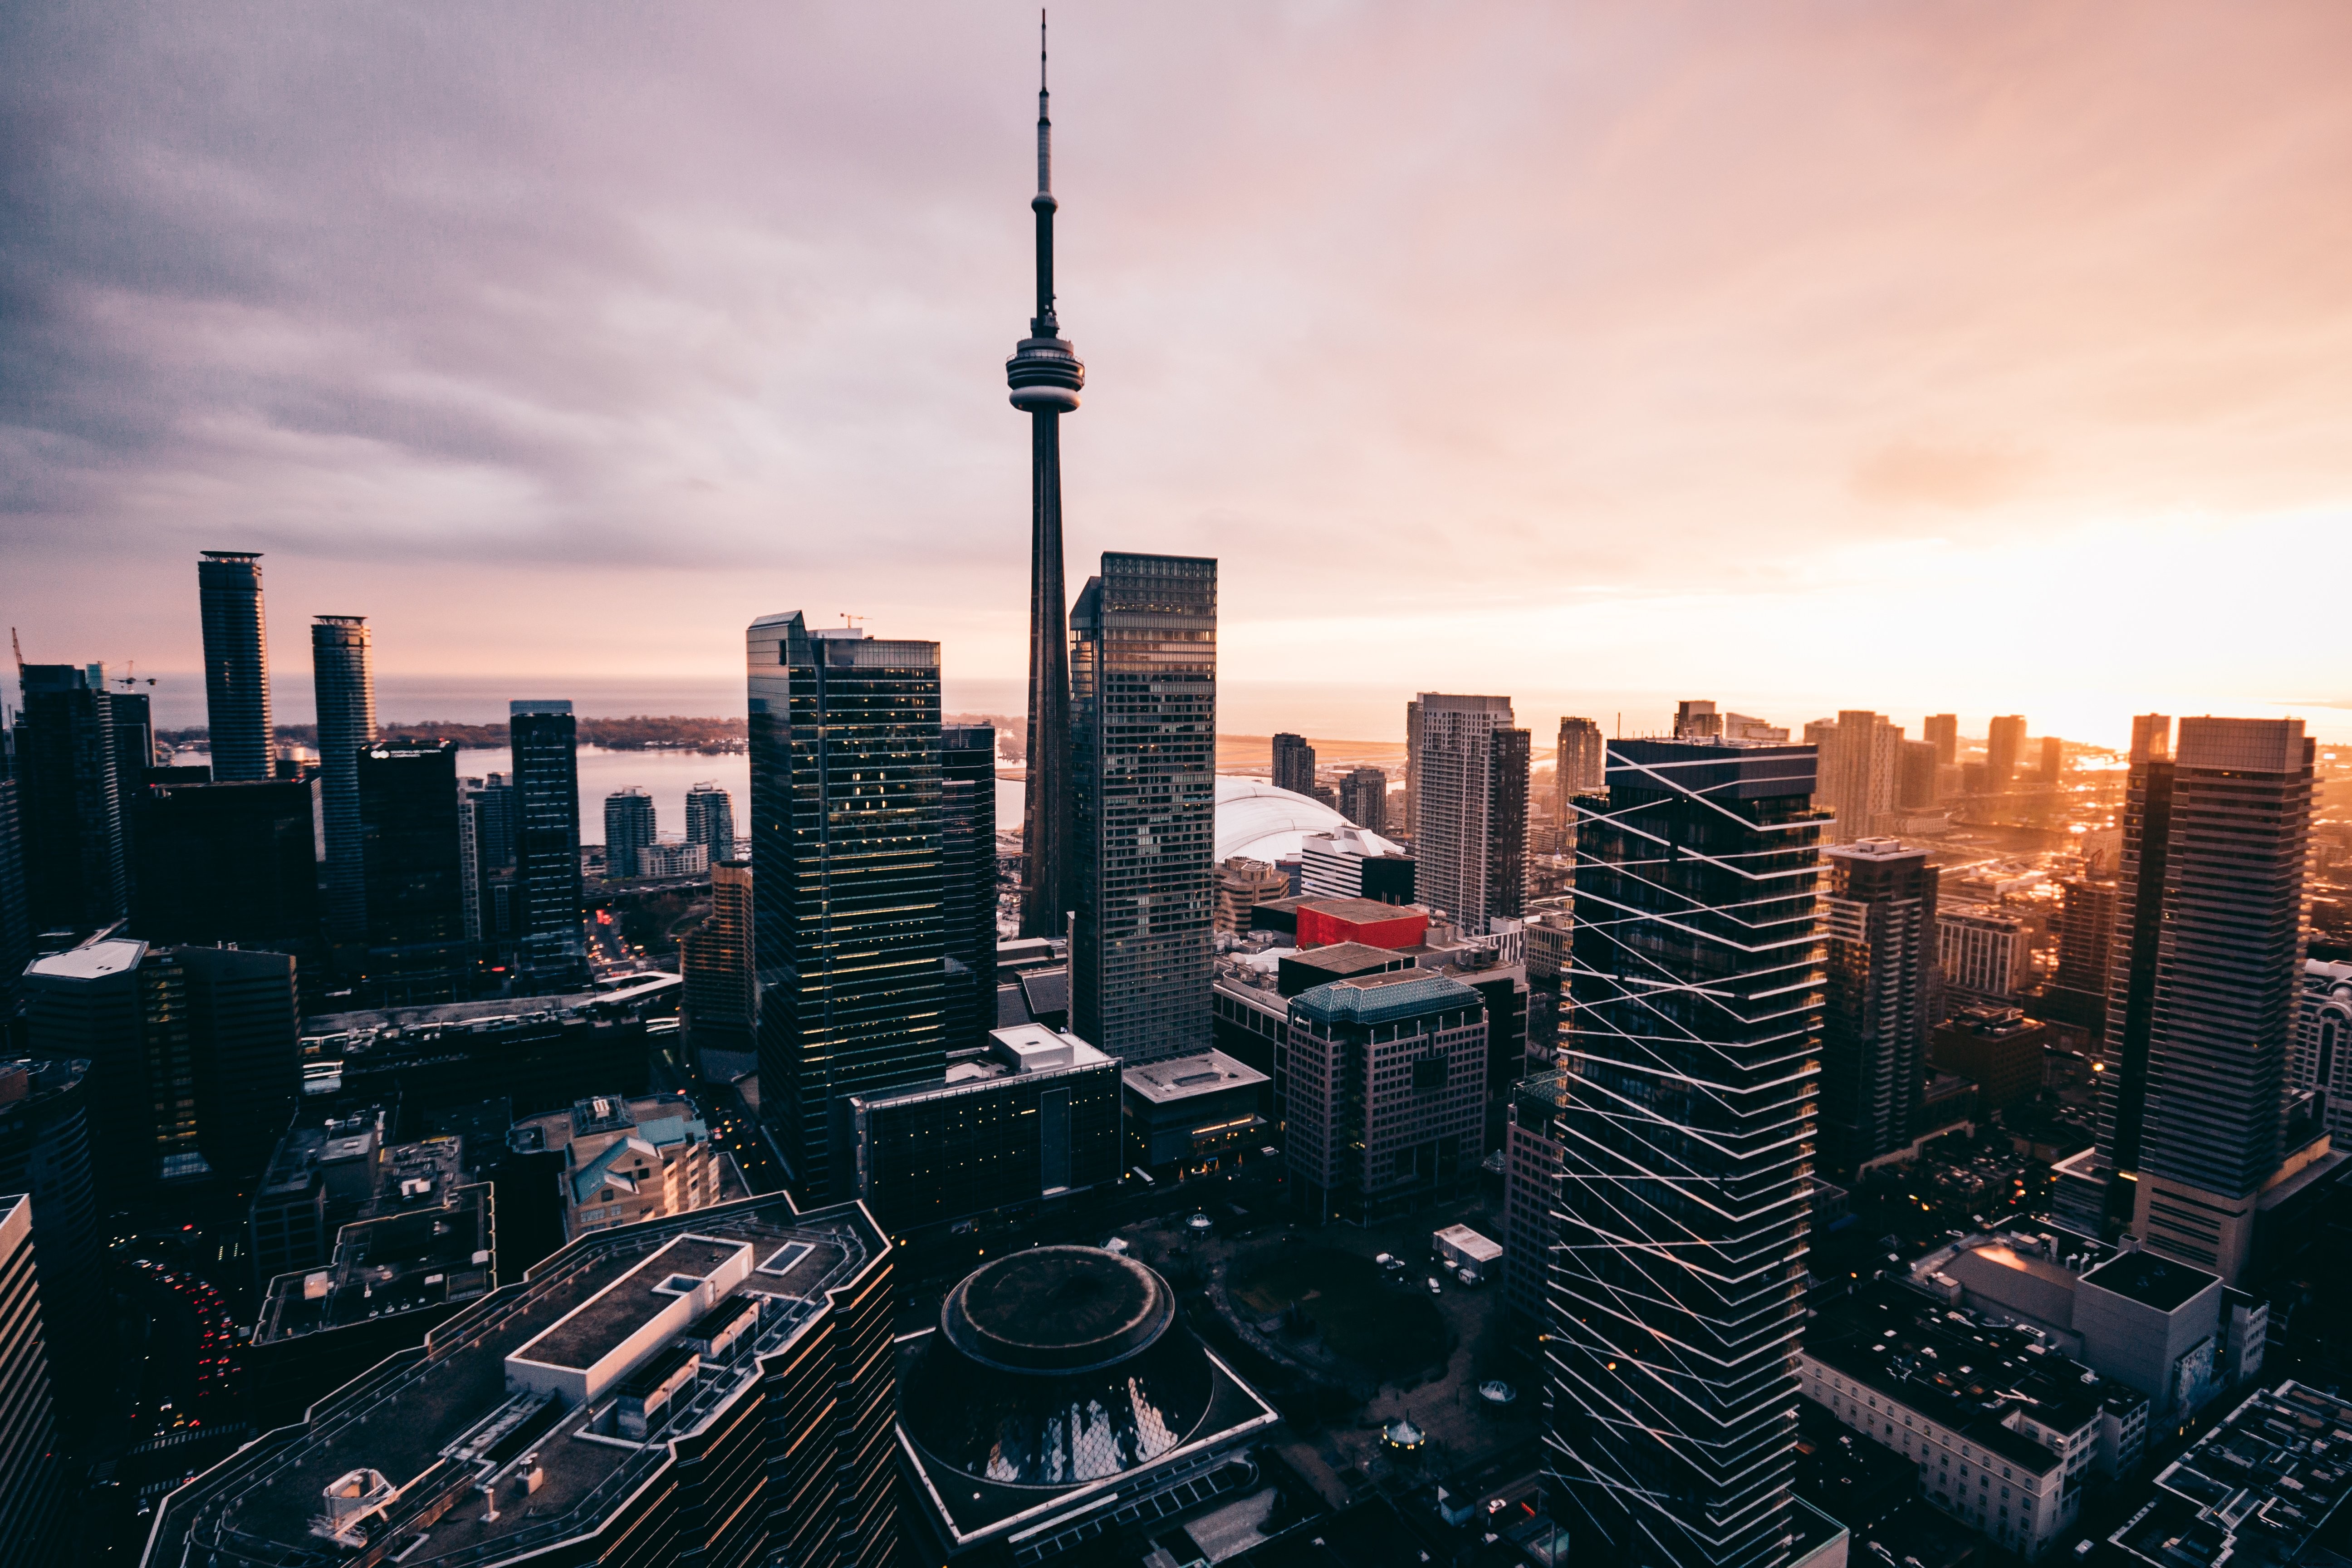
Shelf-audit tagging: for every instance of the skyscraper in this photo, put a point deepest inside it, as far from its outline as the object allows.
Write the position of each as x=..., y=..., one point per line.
x=629, y=829
x=967, y=870
x=227, y=862
x=1686, y=1133
x=1915, y=787
x=1881, y=917
x=45, y=1150
x=2053, y=758
x=410, y=840
x=710, y=820
x=1578, y=764
x=1470, y=811
x=345, y=685
x=1943, y=732
x=74, y=872
x=1859, y=764
x=1294, y=764
x=236, y=664
x=1411, y=751
x=2224, y=987
x=714, y=963
x=32, y=1473
x=1364, y=799
x=16, y=913
x=545, y=742
x=2004, y=746
x=246, y=1019
x=1046, y=375
x=123, y=1007
x=1144, y=698
x=846, y=880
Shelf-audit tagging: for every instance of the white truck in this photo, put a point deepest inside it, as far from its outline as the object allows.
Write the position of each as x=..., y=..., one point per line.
x=1470, y=1257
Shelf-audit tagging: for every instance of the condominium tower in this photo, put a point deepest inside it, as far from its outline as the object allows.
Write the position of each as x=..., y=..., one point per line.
x=236, y=664
x=1470, y=809
x=968, y=885
x=1879, y=912
x=846, y=878
x=546, y=747
x=344, y=682
x=1686, y=1138
x=1143, y=687
x=1294, y=764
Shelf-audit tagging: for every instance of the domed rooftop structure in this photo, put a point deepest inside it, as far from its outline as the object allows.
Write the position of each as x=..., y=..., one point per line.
x=1056, y=1374
x=1055, y=1365
x=1255, y=819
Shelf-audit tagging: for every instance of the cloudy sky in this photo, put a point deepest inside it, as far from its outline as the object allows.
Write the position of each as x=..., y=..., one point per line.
x=1991, y=356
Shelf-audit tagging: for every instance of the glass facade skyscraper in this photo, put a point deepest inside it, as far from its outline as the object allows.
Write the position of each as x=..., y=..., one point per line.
x=846, y=881
x=1881, y=916
x=408, y=824
x=71, y=811
x=1143, y=701
x=968, y=870
x=236, y=664
x=1678, y=1291
x=1469, y=789
x=345, y=685
x=546, y=747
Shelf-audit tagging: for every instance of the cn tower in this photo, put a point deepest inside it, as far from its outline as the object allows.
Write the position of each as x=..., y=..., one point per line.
x=1045, y=376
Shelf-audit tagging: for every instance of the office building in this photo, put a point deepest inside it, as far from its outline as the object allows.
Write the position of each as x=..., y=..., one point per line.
x=626, y=1160
x=715, y=960
x=1386, y=1094
x=1294, y=764
x=245, y=1019
x=1698, y=722
x=2086, y=930
x=1470, y=818
x=33, y=1491
x=1363, y=798
x=545, y=739
x=75, y=876
x=628, y=828
x=736, y=1361
x=364, y=1246
x=710, y=820
x=486, y=835
x=44, y=1151
x=2009, y=1456
x=237, y=665
x=1193, y=1114
x=410, y=853
x=1327, y=923
x=1032, y=1116
x=1943, y=732
x=2224, y=994
x=1880, y=911
x=1411, y=751
x=123, y=1007
x=1916, y=787
x=2004, y=748
x=1347, y=863
x=1243, y=885
x=968, y=881
x=846, y=881
x=1143, y=697
x=1860, y=765
x=16, y=909
x=1532, y=1161
x=1578, y=764
x=228, y=863
x=2323, y=1046
x=1987, y=956
x=539, y=1054
x=997, y=1463
x=342, y=674
x=1699, y=954
x=1045, y=376
x=1998, y=1049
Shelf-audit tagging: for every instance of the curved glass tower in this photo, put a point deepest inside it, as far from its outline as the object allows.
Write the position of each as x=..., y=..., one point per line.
x=236, y=664
x=340, y=652
x=1045, y=376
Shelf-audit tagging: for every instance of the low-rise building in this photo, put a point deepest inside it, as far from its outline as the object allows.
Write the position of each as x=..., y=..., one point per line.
x=2004, y=1432
x=2258, y=1488
x=1999, y=1049
x=1193, y=1111
x=1323, y=921
x=1032, y=1116
x=1242, y=884
x=1386, y=1092
x=1984, y=954
x=626, y=1160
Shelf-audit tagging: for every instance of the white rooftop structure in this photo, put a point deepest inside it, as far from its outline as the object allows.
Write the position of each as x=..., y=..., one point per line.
x=1255, y=819
x=93, y=961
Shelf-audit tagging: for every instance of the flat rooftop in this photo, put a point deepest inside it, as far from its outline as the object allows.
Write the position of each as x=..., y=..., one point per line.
x=1188, y=1077
x=2255, y=1490
x=2150, y=1281
x=93, y=961
x=591, y=1331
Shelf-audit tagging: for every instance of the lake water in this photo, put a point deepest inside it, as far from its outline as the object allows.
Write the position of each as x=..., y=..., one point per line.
x=667, y=776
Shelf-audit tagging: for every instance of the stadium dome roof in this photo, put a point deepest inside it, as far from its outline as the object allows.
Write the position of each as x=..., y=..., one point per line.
x=1257, y=820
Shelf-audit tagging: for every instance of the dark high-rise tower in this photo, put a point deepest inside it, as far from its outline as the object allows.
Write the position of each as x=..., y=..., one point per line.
x=1881, y=905
x=1294, y=764
x=346, y=694
x=236, y=663
x=546, y=741
x=70, y=810
x=968, y=862
x=1045, y=376
x=846, y=881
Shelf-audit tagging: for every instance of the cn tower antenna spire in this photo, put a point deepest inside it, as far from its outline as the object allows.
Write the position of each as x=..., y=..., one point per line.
x=1045, y=376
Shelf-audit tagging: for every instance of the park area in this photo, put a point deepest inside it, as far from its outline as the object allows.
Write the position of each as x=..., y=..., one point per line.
x=1393, y=1331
